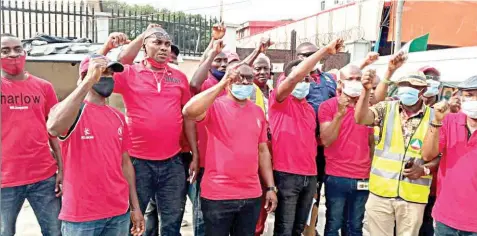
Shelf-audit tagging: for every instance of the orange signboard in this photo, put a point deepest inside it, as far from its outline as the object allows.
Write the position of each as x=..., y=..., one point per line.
x=449, y=23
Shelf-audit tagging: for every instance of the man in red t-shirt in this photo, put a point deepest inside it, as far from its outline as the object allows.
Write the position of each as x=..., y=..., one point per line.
x=454, y=136
x=28, y=167
x=293, y=124
x=347, y=155
x=237, y=152
x=154, y=94
x=99, y=180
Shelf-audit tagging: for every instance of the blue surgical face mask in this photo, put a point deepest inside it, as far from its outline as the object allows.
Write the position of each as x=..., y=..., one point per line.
x=433, y=88
x=408, y=96
x=241, y=91
x=301, y=90
x=217, y=74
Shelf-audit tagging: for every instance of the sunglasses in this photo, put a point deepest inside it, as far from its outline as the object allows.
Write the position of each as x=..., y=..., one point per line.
x=306, y=54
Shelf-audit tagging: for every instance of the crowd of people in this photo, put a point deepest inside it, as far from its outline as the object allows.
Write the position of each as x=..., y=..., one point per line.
x=240, y=141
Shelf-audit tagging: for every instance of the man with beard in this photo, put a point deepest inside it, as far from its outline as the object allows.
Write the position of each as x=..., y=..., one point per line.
x=453, y=136
x=99, y=178
x=28, y=167
x=399, y=179
x=154, y=94
x=236, y=153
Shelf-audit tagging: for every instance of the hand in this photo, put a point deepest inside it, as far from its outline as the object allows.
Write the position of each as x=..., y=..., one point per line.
x=397, y=61
x=218, y=31
x=454, y=102
x=441, y=109
x=271, y=201
x=217, y=47
x=232, y=74
x=415, y=172
x=138, y=224
x=343, y=102
x=59, y=184
x=371, y=58
x=335, y=46
x=116, y=39
x=193, y=168
x=368, y=79
x=150, y=26
x=95, y=69
x=265, y=43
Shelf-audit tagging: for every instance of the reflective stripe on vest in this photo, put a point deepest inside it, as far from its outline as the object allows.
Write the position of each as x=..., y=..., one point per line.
x=390, y=157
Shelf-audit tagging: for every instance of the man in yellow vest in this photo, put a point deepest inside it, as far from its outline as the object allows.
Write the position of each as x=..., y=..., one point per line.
x=399, y=180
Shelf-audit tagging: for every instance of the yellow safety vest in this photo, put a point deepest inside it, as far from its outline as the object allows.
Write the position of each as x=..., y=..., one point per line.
x=390, y=157
x=259, y=98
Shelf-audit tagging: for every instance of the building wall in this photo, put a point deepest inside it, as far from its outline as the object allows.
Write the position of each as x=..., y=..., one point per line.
x=351, y=21
x=64, y=77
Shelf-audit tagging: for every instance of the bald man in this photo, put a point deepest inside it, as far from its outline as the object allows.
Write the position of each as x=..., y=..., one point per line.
x=347, y=155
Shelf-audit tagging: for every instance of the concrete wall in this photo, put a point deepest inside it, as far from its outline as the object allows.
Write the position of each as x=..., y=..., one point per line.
x=64, y=76
x=351, y=21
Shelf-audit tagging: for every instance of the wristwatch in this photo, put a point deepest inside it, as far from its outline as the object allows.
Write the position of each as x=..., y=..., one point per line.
x=427, y=171
x=273, y=188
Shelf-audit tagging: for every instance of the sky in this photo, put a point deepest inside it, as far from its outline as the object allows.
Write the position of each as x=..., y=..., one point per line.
x=240, y=11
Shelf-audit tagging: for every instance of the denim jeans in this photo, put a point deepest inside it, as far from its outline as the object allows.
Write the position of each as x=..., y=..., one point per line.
x=165, y=181
x=427, y=227
x=234, y=217
x=45, y=204
x=343, y=199
x=152, y=216
x=112, y=226
x=444, y=230
x=295, y=195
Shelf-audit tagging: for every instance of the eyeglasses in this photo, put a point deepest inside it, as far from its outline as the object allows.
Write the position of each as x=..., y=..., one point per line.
x=308, y=54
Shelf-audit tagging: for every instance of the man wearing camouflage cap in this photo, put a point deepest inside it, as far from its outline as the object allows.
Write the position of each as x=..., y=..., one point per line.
x=399, y=181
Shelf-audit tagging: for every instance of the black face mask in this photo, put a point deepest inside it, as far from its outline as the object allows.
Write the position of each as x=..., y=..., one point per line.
x=105, y=86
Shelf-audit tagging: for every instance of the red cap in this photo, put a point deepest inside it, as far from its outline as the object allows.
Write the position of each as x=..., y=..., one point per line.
x=232, y=56
x=113, y=65
x=426, y=69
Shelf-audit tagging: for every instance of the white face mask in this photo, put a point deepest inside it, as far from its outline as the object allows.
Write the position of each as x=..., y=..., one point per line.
x=352, y=88
x=469, y=108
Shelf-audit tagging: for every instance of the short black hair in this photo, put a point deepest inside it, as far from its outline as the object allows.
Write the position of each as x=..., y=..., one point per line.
x=290, y=65
x=175, y=50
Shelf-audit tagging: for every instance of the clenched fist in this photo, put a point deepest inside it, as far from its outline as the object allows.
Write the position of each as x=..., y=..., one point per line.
x=335, y=46
x=397, y=61
x=116, y=39
x=218, y=31
x=441, y=109
x=265, y=43
x=368, y=79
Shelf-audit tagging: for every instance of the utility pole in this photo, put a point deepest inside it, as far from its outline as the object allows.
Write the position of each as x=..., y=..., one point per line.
x=397, y=30
x=221, y=10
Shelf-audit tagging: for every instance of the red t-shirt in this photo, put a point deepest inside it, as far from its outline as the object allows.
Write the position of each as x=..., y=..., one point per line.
x=94, y=186
x=154, y=118
x=348, y=155
x=201, y=131
x=292, y=124
x=456, y=205
x=26, y=156
x=231, y=162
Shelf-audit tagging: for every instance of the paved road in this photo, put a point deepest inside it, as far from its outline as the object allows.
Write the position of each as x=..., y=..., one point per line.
x=27, y=224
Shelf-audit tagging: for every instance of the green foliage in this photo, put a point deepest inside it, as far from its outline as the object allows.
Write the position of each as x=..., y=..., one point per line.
x=190, y=32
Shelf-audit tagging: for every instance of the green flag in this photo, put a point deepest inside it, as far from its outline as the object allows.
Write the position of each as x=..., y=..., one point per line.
x=416, y=45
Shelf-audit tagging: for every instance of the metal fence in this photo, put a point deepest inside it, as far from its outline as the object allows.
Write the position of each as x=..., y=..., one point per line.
x=76, y=19
x=26, y=19
x=191, y=33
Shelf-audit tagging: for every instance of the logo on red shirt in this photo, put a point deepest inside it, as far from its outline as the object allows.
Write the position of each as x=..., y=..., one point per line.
x=87, y=134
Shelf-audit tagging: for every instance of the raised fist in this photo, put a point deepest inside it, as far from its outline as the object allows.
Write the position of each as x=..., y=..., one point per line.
x=218, y=31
